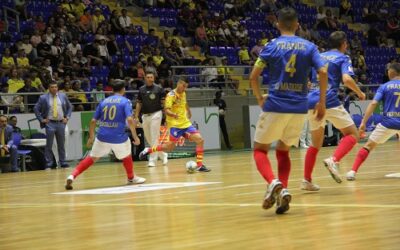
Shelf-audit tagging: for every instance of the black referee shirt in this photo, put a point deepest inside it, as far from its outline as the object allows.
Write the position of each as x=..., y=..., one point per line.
x=150, y=98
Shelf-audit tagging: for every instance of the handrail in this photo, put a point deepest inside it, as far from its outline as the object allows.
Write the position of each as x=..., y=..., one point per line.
x=16, y=15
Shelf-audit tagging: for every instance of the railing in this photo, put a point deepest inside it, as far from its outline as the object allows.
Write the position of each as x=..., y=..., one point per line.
x=6, y=9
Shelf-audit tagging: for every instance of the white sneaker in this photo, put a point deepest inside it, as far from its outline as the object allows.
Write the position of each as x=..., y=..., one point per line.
x=165, y=158
x=272, y=192
x=309, y=186
x=284, y=199
x=136, y=180
x=304, y=146
x=151, y=164
x=351, y=175
x=332, y=167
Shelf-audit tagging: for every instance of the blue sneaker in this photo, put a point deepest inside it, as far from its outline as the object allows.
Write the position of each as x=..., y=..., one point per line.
x=203, y=169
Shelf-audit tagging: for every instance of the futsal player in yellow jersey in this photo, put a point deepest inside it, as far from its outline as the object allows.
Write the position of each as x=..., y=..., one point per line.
x=178, y=114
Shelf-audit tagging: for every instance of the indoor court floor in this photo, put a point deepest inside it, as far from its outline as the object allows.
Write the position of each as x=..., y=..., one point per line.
x=216, y=210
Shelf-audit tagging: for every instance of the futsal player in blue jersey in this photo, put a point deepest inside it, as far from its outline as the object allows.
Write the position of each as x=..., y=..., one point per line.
x=389, y=95
x=289, y=60
x=340, y=70
x=112, y=115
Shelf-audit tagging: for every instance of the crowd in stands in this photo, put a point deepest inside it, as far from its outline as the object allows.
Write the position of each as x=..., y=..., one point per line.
x=83, y=45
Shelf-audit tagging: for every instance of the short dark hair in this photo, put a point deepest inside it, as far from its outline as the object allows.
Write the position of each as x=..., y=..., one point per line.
x=53, y=83
x=286, y=17
x=183, y=79
x=12, y=117
x=117, y=86
x=149, y=72
x=395, y=67
x=336, y=39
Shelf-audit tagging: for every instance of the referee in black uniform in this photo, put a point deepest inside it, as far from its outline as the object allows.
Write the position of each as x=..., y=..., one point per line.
x=150, y=103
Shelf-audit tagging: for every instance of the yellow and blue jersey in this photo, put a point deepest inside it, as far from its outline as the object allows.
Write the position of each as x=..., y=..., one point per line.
x=389, y=94
x=177, y=104
x=111, y=115
x=338, y=65
x=290, y=60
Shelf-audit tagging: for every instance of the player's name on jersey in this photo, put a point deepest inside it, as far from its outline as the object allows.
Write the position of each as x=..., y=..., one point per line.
x=291, y=45
x=329, y=58
x=112, y=100
x=393, y=86
x=108, y=124
x=297, y=87
x=393, y=114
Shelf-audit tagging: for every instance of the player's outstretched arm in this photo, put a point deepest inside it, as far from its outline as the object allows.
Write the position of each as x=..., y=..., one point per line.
x=132, y=127
x=349, y=82
x=368, y=112
x=255, y=73
x=92, y=128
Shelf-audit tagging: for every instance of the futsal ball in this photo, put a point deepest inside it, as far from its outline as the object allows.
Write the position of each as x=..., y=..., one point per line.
x=191, y=167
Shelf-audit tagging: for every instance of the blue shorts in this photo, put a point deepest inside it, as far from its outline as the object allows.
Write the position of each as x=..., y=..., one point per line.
x=176, y=133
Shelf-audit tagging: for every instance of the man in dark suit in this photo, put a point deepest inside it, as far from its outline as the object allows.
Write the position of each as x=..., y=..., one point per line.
x=53, y=110
x=7, y=146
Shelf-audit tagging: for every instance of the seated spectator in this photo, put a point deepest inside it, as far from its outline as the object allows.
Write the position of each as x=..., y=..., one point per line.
x=125, y=21
x=224, y=75
x=85, y=23
x=78, y=8
x=103, y=52
x=242, y=35
x=304, y=32
x=26, y=46
x=44, y=48
x=165, y=41
x=22, y=61
x=152, y=39
x=175, y=35
x=11, y=103
x=117, y=71
x=244, y=57
x=331, y=20
x=28, y=88
x=315, y=36
x=210, y=74
x=225, y=35
x=97, y=19
x=113, y=48
x=345, y=9
x=116, y=27
x=36, y=82
x=40, y=25
x=14, y=82
x=157, y=57
x=47, y=67
x=12, y=121
x=171, y=57
x=356, y=43
x=91, y=52
x=74, y=46
x=35, y=38
x=7, y=61
x=255, y=51
x=78, y=94
x=233, y=24
x=151, y=67
x=201, y=38
x=7, y=144
x=361, y=61
x=164, y=75
x=322, y=22
x=98, y=97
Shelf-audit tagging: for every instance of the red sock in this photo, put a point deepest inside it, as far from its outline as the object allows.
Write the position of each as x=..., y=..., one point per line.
x=128, y=165
x=309, y=163
x=199, y=156
x=360, y=158
x=82, y=166
x=345, y=146
x=155, y=149
x=263, y=165
x=283, y=166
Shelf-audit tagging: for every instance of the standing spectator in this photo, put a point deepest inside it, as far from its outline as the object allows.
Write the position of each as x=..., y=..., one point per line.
x=53, y=110
x=221, y=104
x=201, y=38
x=7, y=146
x=150, y=103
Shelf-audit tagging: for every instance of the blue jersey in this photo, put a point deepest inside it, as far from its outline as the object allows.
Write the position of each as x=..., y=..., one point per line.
x=389, y=94
x=338, y=65
x=111, y=115
x=289, y=60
